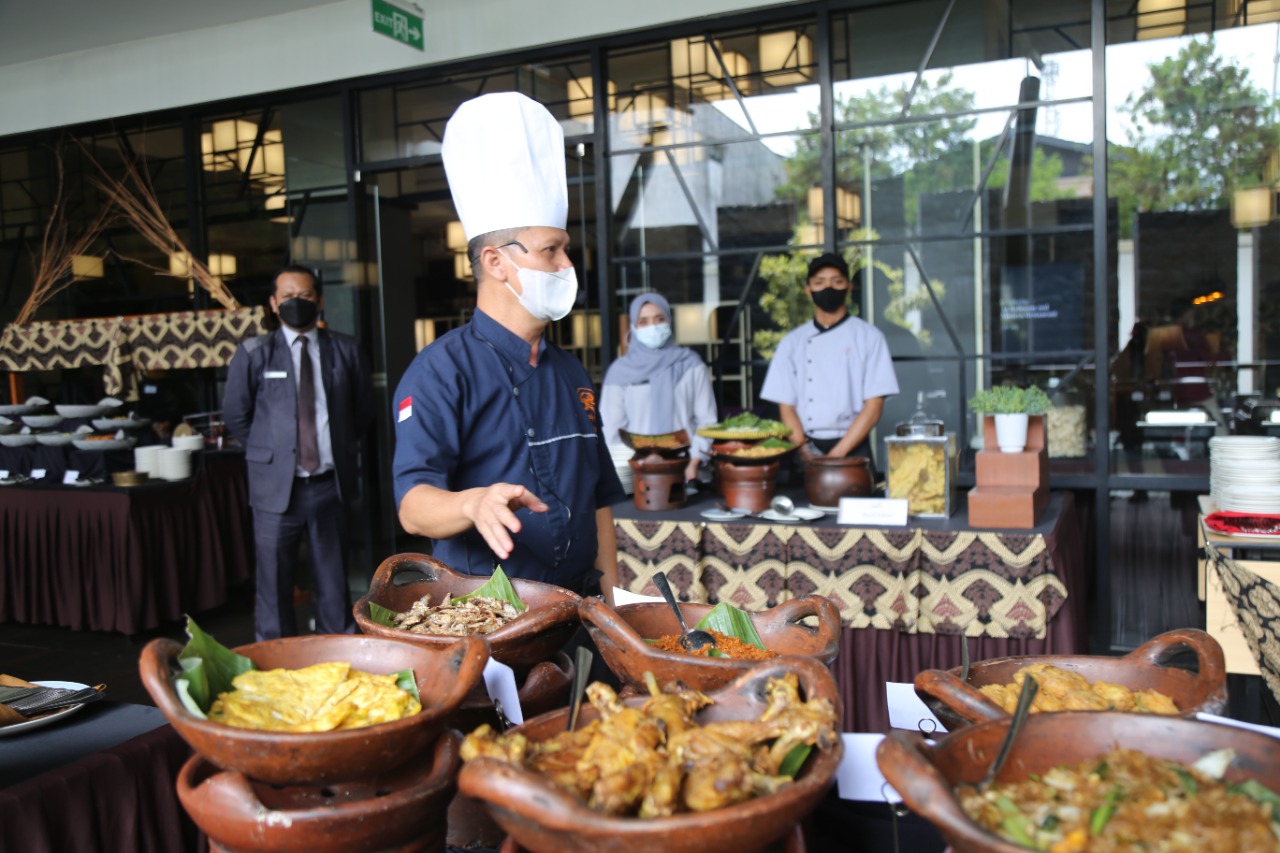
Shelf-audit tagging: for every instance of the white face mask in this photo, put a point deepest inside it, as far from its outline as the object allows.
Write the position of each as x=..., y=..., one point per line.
x=653, y=336
x=547, y=296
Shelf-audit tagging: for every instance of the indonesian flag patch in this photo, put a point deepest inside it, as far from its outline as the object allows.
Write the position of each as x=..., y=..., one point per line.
x=406, y=410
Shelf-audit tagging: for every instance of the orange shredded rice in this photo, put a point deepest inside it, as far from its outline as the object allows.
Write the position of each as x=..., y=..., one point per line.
x=728, y=646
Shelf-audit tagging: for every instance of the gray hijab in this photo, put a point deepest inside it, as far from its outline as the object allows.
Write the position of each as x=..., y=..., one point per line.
x=661, y=367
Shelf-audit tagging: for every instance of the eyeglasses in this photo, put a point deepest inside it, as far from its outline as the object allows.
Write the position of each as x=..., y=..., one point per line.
x=515, y=243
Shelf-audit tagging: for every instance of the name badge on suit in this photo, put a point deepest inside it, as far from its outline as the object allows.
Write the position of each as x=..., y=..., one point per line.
x=276, y=374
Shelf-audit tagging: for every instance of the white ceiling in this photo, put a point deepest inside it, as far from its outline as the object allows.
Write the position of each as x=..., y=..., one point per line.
x=37, y=29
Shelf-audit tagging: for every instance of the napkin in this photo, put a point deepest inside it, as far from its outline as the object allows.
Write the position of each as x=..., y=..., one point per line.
x=8, y=716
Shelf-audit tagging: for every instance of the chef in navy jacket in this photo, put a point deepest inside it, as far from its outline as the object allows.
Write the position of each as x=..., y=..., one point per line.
x=499, y=456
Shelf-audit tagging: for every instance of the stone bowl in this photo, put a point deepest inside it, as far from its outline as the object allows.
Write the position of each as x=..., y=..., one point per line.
x=957, y=703
x=384, y=813
x=925, y=774
x=545, y=819
x=620, y=636
x=444, y=675
x=536, y=636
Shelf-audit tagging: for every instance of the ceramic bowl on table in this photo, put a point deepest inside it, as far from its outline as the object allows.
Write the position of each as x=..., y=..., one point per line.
x=536, y=636
x=73, y=410
x=621, y=634
x=42, y=421
x=54, y=439
x=398, y=811
x=957, y=703
x=8, y=425
x=18, y=439
x=113, y=424
x=188, y=442
x=926, y=775
x=545, y=819
x=104, y=444
x=444, y=677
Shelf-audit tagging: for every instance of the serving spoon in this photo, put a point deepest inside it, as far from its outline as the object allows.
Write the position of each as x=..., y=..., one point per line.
x=692, y=641
x=1029, y=689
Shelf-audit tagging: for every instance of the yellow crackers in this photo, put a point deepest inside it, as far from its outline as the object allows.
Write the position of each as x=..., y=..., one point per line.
x=318, y=698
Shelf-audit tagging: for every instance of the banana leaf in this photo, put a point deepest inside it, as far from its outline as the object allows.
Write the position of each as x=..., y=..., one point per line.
x=498, y=587
x=207, y=669
x=382, y=615
x=732, y=622
x=406, y=682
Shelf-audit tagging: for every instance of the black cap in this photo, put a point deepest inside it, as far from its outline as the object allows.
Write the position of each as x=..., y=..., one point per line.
x=828, y=260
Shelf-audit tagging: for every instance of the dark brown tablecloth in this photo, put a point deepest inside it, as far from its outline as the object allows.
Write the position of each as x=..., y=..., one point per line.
x=761, y=572
x=119, y=800
x=112, y=559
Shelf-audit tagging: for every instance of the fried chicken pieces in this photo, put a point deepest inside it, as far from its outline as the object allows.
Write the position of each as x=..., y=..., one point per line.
x=1061, y=690
x=656, y=760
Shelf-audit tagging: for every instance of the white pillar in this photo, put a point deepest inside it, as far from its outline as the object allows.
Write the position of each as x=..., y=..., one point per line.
x=1245, y=308
x=1128, y=293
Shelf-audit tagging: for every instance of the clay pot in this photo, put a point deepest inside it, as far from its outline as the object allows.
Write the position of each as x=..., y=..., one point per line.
x=444, y=677
x=827, y=479
x=792, y=842
x=957, y=703
x=925, y=775
x=545, y=689
x=544, y=819
x=659, y=482
x=537, y=635
x=747, y=486
x=620, y=636
x=402, y=811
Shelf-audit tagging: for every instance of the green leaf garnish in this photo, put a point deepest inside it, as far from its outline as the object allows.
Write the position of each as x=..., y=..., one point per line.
x=208, y=667
x=1259, y=793
x=795, y=760
x=731, y=622
x=406, y=682
x=382, y=615
x=1103, y=813
x=498, y=586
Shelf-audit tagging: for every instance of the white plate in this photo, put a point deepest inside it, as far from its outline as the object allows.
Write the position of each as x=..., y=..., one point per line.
x=113, y=424
x=68, y=410
x=825, y=510
x=51, y=718
x=17, y=439
x=104, y=444
x=797, y=516
x=723, y=515
x=14, y=409
x=54, y=439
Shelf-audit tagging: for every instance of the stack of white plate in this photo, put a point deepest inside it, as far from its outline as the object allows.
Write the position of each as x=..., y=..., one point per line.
x=189, y=442
x=175, y=464
x=146, y=459
x=621, y=455
x=1244, y=473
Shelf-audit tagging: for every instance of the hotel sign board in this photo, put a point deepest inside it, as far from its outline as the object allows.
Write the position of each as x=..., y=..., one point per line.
x=397, y=23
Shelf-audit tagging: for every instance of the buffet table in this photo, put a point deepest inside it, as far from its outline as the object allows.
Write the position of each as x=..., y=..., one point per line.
x=102, y=780
x=106, y=558
x=904, y=593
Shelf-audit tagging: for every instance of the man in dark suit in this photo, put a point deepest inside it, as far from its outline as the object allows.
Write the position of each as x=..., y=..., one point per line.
x=299, y=400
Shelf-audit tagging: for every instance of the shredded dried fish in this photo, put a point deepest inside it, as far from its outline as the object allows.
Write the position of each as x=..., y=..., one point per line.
x=457, y=618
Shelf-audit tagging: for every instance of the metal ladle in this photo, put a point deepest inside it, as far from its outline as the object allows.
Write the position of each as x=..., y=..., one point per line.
x=692, y=641
x=783, y=505
x=1029, y=689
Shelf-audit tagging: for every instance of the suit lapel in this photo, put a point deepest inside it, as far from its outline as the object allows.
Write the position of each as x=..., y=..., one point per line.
x=327, y=358
x=281, y=360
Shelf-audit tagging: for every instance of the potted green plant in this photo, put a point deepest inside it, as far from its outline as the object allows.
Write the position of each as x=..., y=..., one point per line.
x=1012, y=408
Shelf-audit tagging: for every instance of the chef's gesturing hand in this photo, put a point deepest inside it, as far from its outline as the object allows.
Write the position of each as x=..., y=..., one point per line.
x=493, y=512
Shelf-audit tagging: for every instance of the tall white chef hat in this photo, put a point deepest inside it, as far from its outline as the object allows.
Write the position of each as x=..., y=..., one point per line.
x=504, y=157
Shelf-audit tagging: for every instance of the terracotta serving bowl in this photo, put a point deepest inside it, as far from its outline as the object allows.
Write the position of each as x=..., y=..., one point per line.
x=620, y=635
x=792, y=842
x=444, y=676
x=827, y=479
x=926, y=775
x=387, y=813
x=957, y=703
x=536, y=636
x=544, y=819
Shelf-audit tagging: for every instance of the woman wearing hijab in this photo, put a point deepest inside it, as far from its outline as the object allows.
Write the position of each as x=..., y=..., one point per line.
x=657, y=387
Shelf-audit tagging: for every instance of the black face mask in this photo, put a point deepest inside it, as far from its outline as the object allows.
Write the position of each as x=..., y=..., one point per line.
x=298, y=313
x=829, y=299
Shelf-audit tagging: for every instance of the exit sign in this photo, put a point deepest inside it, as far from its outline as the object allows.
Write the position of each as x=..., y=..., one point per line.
x=396, y=23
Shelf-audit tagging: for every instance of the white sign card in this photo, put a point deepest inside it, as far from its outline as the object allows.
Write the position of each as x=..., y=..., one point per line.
x=907, y=711
x=622, y=596
x=4, y=475
x=1227, y=721
x=500, y=682
x=69, y=478
x=858, y=777
x=873, y=512
x=37, y=473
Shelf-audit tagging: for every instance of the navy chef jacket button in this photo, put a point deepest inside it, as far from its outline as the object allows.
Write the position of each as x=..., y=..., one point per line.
x=529, y=432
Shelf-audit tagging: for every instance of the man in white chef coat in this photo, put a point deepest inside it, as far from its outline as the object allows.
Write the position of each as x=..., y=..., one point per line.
x=830, y=377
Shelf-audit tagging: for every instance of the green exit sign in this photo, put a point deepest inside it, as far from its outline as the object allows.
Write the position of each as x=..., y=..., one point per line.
x=396, y=23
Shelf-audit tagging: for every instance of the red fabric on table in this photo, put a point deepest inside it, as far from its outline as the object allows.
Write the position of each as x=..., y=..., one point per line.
x=1243, y=522
x=121, y=799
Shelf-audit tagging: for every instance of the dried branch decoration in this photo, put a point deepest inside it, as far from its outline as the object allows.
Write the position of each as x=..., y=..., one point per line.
x=135, y=197
x=53, y=266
